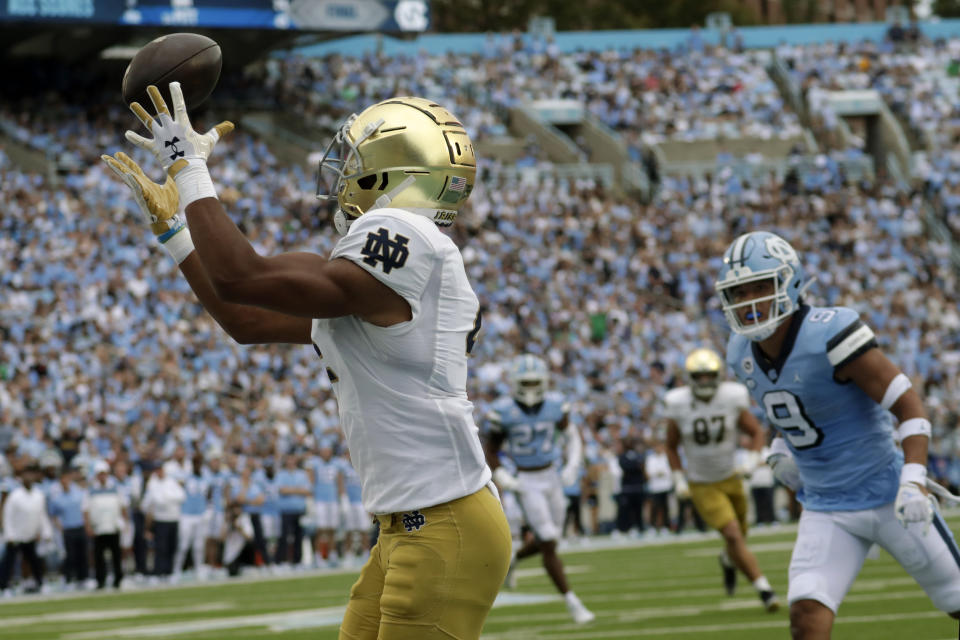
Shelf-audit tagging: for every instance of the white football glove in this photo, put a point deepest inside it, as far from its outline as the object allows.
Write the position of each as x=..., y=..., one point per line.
x=750, y=461
x=680, y=486
x=174, y=141
x=505, y=480
x=913, y=505
x=941, y=491
x=569, y=474
x=783, y=465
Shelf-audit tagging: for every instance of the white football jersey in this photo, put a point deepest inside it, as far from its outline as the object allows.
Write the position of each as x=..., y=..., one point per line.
x=708, y=430
x=401, y=390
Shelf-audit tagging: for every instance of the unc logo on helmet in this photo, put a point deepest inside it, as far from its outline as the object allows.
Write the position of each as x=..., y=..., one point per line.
x=765, y=266
x=409, y=153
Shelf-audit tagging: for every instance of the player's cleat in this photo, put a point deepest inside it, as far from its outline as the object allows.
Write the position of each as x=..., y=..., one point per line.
x=580, y=614
x=770, y=601
x=729, y=575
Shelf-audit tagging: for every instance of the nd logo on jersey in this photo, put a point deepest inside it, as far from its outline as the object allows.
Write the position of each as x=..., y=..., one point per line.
x=392, y=254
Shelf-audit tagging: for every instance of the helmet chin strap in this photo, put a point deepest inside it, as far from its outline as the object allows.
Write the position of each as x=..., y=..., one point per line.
x=388, y=197
x=342, y=221
x=806, y=285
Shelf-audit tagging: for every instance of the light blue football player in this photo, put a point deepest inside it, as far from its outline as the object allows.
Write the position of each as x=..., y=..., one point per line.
x=327, y=480
x=532, y=427
x=193, y=525
x=831, y=393
x=356, y=522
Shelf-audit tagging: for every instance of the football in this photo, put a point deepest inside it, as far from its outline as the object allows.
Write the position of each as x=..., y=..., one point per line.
x=191, y=59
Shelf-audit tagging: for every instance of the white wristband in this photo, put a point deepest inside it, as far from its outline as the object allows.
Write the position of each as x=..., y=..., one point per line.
x=194, y=182
x=897, y=387
x=913, y=472
x=179, y=246
x=779, y=446
x=914, y=427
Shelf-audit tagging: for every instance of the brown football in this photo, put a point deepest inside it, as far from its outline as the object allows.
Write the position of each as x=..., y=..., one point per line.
x=191, y=59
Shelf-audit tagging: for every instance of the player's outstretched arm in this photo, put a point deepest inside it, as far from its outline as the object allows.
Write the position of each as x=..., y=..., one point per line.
x=297, y=284
x=160, y=206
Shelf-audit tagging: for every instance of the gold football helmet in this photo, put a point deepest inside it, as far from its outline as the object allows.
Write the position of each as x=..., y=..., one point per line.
x=703, y=372
x=403, y=152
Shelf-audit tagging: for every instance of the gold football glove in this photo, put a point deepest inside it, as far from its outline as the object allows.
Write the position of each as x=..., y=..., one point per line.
x=158, y=203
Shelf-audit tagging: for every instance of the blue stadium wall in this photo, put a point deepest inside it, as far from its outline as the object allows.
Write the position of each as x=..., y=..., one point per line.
x=569, y=41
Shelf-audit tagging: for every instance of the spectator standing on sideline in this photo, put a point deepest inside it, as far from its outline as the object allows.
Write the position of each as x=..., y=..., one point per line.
x=572, y=517
x=270, y=510
x=193, y=525
x=24, y=512
x=356, y=521
x=327, y=480
x=293, y=486
x=161, y=505
x=631, y=497
x=237, y=538
x=761, y=488
x=65, y=507
x=659, y=485
x=132, y=486
x=219, y=476
x=105, y=513
x=249, y=492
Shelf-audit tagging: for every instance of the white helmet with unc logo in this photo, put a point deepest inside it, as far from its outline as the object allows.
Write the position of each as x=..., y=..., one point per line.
x=529, y=378
x=760, y=256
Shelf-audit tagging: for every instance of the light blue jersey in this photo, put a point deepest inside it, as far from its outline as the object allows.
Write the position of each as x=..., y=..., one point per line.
x=325, y=474
x=292, y=479
x=197, y=490
x=67, y=505
x=531, y=439
x=351, y=480
x=271, y=495
x=253, y=491
x=219, y=482
x=842, y=440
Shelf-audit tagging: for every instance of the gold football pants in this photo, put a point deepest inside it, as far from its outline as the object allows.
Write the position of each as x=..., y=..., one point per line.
x=433, y=573
x=720, y=502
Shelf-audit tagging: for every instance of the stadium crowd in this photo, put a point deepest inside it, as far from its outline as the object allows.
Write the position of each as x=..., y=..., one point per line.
x=107, y=359
x=702, y=94
x=919, y=83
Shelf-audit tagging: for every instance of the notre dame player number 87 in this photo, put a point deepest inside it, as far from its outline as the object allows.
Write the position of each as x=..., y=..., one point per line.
x=701, y=430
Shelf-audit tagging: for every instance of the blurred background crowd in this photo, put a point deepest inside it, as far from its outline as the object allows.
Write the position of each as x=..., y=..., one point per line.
x=114, y=380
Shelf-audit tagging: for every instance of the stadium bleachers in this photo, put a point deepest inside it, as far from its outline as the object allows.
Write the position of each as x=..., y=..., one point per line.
x=101, y=334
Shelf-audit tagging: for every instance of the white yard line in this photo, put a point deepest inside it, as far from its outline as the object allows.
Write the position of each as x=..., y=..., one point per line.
x=334, y=614
x=756, y=548
x=536, y=572
x=282, y=621
x=552, y=632
x=112, y=614
x=129, y=586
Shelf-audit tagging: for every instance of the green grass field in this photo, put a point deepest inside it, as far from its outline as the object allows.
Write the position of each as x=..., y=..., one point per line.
x=654, y=591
